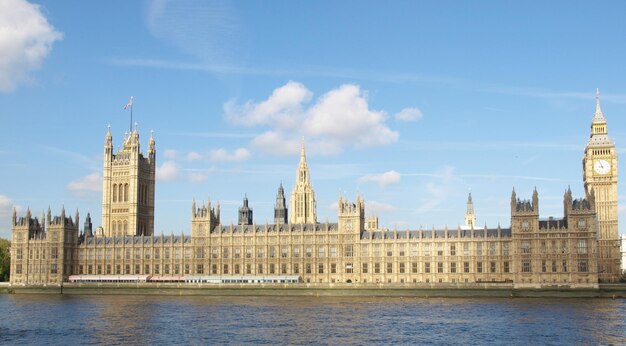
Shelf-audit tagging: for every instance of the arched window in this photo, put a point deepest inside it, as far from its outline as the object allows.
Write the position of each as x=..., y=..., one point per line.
x=114, y=227
x=114, y=193
x=121, y=192
x=125, y=226
x=126, y=193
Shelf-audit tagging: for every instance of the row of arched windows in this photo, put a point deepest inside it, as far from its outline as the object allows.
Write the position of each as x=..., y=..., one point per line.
x=120, y=193
x=119, y=227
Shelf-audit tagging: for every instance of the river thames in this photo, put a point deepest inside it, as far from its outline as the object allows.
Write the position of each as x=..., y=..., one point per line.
x=61, y=319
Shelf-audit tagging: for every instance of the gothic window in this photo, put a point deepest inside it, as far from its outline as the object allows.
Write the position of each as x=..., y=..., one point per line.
x=525, y=246
x=582, y=266
x=526, y=267
x=126, y=193
x=582, y=246
x=125, y=226
x=114, y=192
x=505, y=249
x=364, y=271
x=581, y=223
x=525, y=225
x=121, y=192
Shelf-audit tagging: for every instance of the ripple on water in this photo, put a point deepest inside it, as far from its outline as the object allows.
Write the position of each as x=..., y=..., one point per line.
x=151, y=320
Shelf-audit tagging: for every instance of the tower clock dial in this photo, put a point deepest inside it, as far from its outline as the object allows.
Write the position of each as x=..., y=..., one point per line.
x=602, y=166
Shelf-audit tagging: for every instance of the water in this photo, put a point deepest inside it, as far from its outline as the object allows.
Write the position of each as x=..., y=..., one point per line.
x=155, y=320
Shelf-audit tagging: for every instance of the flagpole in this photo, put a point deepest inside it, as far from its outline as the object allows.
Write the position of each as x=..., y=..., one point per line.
x=131, y=115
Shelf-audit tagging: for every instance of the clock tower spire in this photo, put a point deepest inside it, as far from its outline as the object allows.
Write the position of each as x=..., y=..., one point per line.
x=600, y=178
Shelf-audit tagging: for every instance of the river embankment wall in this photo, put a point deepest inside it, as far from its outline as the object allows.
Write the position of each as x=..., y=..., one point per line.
x=327, y=290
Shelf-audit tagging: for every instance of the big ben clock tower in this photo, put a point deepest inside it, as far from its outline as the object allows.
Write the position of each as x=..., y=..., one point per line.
x=600, y=176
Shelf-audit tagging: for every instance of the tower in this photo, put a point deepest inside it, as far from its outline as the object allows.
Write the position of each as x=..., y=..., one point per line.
x=88, y=227
x=470, y=217
x=245, y=213
x=351, y=216
x=600, y=178
x=280, y=209
x=302, y=205
x=128, y=187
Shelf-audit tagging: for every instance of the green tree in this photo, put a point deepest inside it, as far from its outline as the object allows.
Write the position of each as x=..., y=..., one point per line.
x=5, y=259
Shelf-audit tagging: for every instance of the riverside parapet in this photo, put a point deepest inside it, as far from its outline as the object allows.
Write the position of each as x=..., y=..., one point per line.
x=328, y=290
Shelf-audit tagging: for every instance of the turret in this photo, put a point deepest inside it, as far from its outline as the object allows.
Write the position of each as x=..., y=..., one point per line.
x=245, y=213
x=151, y=147
x=470, y=217
x=351, y=215
x=280, y=209
x=88, y=227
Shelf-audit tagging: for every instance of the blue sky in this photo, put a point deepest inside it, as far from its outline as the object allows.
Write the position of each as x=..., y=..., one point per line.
x=412, y=104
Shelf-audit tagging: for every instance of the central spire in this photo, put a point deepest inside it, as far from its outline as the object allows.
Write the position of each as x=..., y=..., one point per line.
x=302, y=205
x=598, y=117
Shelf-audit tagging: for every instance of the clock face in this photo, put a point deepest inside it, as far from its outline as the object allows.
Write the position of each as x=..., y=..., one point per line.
x=602, y=166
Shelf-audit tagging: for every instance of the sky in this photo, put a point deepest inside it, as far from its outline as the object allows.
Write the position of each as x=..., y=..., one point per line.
x=412, y=104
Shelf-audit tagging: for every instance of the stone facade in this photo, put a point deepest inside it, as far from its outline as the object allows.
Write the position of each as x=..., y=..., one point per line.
x=600, y=177
x=128, y=187
x=532, y=252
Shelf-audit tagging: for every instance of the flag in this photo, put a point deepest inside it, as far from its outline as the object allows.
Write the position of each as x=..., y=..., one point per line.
x=130, y=103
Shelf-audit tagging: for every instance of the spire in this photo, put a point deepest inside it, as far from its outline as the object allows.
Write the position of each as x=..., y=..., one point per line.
x=598, y=116
x=302, y=152
x=470, y=217
x=108, y=139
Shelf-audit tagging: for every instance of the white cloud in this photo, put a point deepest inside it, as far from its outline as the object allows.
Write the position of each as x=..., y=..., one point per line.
x=438, y=190
x=6, y=207
x=170, y=154
x=26, y=39
x=91, y=182
x=282, y=109
x=220, y=155
x=276, y=143
x=207, y=30
x=375, y=208
x=409, y=114
x=193, y=156
x=340, y=117
x=198, y=177
x=168, y=171
x=383, y=180
x=343, y=115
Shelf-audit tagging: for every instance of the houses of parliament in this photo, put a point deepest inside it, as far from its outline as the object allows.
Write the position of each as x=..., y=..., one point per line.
x=580, y=249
